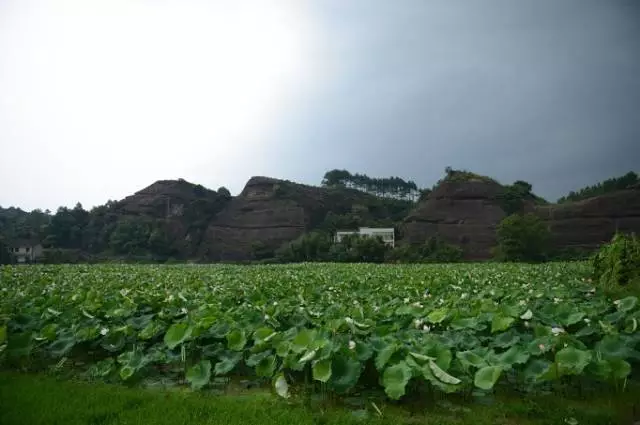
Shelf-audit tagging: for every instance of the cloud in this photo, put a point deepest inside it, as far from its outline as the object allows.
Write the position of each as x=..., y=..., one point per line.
x=99, y=103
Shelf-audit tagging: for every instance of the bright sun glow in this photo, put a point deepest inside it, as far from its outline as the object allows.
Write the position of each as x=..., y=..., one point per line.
x=153, y=84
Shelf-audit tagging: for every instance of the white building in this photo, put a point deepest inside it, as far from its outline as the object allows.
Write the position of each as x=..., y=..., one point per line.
x=26, y=251
x=386, y=234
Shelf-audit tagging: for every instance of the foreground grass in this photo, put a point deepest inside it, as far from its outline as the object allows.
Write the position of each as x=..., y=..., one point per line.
x=41, y=399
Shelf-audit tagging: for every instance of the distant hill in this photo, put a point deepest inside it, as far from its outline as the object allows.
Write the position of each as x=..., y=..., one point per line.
x=179, y=220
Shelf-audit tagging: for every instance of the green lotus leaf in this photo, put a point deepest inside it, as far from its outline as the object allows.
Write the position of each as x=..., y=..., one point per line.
x=3, y=334
x=256, y=358
x=612, y=347
x=49, y=331
x=236, y=340
x=505, y=339
x=442, y=375
x=437, y=316
x=627, y=304
x=363, y=351
x=572, y=318
x=227, y=362
x=266, y=366
x=470, y=359
x=384, y=355
x=345, y=373
x=199, y=374
x=262, y=335
x=322, y=370
x=514, y=355
x=152, y=329
x=572, y=361
x=537, y=370
x=501, y=323
x=302, y=340
x=395, y=379
x=177, y=334
x=486, y=377
x=620, y=369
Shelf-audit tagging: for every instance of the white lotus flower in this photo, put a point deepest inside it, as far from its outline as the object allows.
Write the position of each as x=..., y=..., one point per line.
x=352, y=345
x=417, y=323
x=266, y=317
x=426, y=328
x=104, y=331
x=522, y=302
x=557, y=330
x=275, y=303
x=463, y=296
x=587, y=321
x=183, y=310
x=406, y=300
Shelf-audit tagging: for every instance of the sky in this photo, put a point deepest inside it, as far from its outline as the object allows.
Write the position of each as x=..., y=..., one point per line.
x=100, y=98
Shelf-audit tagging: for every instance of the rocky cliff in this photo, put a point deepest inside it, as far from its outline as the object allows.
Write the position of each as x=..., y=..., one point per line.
x=271, y=212
x=461, y=213
x=467, y=214
x=585, y=225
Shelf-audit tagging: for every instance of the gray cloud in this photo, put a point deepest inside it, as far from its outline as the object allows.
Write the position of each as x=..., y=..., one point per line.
x=544, y=91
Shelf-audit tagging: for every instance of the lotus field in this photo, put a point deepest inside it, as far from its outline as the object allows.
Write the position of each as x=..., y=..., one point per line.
x=464, y=328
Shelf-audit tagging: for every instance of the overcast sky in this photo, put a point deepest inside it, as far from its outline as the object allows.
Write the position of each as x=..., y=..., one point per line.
x=99, y=99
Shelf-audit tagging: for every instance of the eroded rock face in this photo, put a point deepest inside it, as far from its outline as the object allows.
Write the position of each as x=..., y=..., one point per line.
x=587, y=224
x=256, y=215
x=165, y=199
x=465, y=214
x=271, y=212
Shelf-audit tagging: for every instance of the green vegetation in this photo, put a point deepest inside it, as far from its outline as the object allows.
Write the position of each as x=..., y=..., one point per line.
x=434, y=250
x=394, y=187
x=5, y=256
x=522, y=237
x=607, y=186
x=45, y=400
x=453, y=332
x=318, y=246
x=617, y=265
x=452, y=175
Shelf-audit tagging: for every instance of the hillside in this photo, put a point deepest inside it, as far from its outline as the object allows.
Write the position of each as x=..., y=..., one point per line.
x=176, y=219
x=270, y=212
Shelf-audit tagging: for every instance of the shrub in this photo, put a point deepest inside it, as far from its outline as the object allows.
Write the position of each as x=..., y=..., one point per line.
x=434, y=250
x=522, y=238
x=617, y=263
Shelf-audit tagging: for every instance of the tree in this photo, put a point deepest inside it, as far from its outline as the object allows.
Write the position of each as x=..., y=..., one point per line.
x=5, y=256
x=522, y=238
x=512, y=197
x=606, y=186
x=617, y=264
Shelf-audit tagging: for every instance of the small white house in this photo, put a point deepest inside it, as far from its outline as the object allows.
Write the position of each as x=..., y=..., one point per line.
x=386, y=234
x=26, y=251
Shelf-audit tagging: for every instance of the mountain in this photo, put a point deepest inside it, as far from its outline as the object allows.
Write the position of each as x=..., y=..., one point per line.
x=176, y=219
